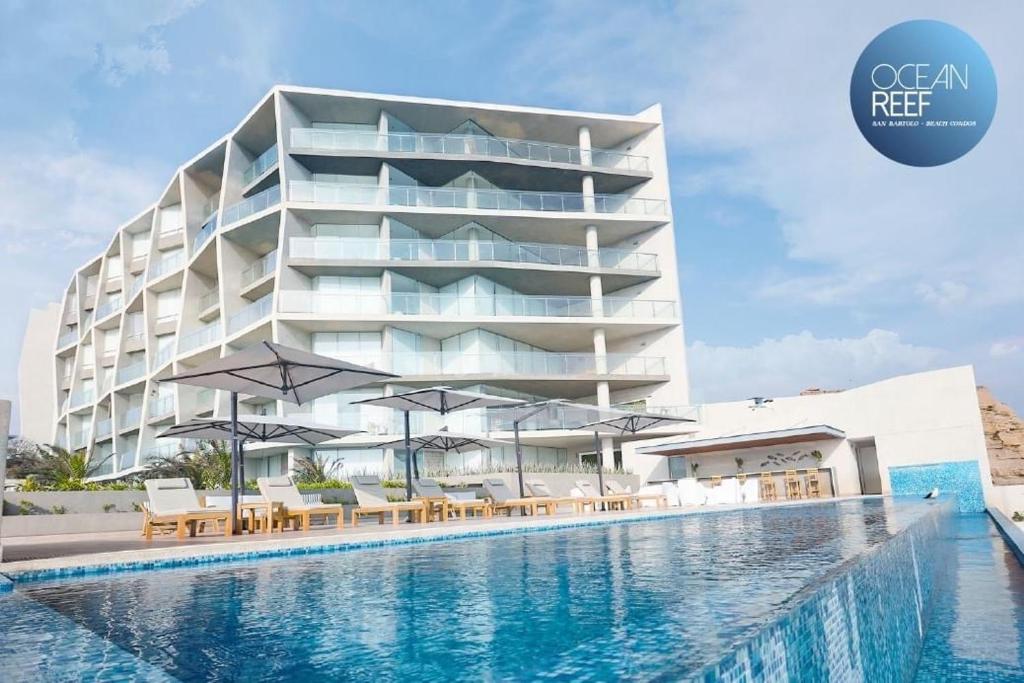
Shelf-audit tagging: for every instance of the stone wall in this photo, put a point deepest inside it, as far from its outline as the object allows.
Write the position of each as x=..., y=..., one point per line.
x=1004, y=439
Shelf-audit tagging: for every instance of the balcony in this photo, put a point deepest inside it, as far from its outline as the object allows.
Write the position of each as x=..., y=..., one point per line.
x=204, y=233
x=211, y=206
x=81, y=397
x=258, y=270
x=104, y=428
x=464, y=145
x=109, y=307
x=255, y=311
x=261, y=165
x=341, y=248
x=166, y=265
x=80, y=439
x=161, y=407
x=136, y=287
x=531, y=363
x=207, y=334
x=67, y=339
x=129, y=420
x=254, y=204
x=131, y=372
x=125, y=460
x=449, y=305
x=460, y=198
x=162, y=357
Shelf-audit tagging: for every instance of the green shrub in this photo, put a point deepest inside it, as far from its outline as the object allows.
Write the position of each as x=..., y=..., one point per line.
x=320, y=485
x=1018, y=517
x=58, y=509
x=25, y=507
x=110, y=507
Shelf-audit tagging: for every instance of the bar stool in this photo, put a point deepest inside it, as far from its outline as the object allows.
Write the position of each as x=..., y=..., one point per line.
x=768, y=491
x=793, y=488
x=716, y=481
x=741, y=478
x=813, y=483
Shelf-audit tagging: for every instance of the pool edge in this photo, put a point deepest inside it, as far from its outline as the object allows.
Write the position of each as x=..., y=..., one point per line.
x=1011, y=533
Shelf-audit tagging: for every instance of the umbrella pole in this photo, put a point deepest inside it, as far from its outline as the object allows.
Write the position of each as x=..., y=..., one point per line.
x=416, y=464
x=235, y=459
x=519, y=458
x=600, y=466
x=408, y=460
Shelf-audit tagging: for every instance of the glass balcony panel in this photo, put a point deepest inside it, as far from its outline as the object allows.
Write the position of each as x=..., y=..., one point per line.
x=204, y=233
x=160, y=406
x=259, y=269
x=263, y=163
x=207, y=334
x=255, y=311
x=254, y=204
x=131, y=372
x=129, y=418
x=163, y=356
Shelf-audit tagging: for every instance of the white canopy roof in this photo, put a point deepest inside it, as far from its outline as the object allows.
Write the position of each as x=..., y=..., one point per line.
x=258, y=428
x=274, y=371
x=446, y=441
x=631, y=423
x=441, y=400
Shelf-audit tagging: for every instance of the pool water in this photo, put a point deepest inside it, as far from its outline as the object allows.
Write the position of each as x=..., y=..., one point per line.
x=658, y=598
x=585, y=603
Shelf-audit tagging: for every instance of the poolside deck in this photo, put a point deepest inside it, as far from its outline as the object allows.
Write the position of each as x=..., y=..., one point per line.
x=29, y=555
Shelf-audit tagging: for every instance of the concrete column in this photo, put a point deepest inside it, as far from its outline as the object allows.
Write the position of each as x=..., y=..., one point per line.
x=588, y=194
x=5, y=429
x=596, y=302
x=600, y=355
x=593, y=247
x=474, y=243
x=604, y=401
x=585, y=155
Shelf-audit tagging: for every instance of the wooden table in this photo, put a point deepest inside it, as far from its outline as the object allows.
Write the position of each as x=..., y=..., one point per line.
x=272, y=512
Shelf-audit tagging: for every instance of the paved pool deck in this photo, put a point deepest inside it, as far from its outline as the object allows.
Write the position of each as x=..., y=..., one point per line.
x=76, y=554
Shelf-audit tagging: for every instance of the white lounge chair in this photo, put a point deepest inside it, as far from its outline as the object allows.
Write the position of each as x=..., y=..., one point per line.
x=175, y=501
x=691, y=492
x=431, y=491
x=282, y=490
x=373, y=500
x=502, y=498
x=540, y=489
x=750, y=491
x=616, y=489
x=621, y=501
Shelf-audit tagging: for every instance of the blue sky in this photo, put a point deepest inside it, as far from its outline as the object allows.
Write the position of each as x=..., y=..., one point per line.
x=807, y=258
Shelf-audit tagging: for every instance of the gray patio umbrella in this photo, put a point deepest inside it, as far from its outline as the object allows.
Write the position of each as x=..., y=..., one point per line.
x=441, y=400
x=626, y=423
x=273, y=371
x=443, y=440
x=258, y=429
x=572, y=416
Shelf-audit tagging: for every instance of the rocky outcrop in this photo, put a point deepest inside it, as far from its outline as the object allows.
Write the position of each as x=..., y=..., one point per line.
x=1004, y=438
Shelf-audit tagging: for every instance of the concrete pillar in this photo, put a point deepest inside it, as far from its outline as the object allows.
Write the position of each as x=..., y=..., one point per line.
x=593, y=247
x=596, y=302
x=585, y=155
x=600, y=355
x=5, y=429
x=588, y=194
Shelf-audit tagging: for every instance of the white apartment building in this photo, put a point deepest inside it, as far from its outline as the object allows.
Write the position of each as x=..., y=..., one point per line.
x=515, y=250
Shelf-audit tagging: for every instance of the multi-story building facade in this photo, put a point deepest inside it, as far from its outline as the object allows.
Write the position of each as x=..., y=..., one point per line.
x=514, y=250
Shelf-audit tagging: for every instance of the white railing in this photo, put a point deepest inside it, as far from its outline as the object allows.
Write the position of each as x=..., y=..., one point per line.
x=162, y=356
x=259, y=269
x=247, y=207
x=131, y=372
x=160, y=406
x=542, y=363
x=207, y=334
x=461, y=198
x=166, y=265
x=257, y=310
x=347, y=248
x=463, y=145
x=109, y=306
x=260, y=165
x=513, y=305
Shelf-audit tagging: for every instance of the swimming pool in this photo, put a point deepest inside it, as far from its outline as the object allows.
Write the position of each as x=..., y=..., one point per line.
x=648, y=599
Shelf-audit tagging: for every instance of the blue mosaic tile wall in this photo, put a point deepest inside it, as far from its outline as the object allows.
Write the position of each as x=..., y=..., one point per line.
x=962, y=479
x=866, y=623
x=6, y=585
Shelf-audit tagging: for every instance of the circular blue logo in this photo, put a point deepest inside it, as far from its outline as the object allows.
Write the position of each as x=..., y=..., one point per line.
x=923, y=93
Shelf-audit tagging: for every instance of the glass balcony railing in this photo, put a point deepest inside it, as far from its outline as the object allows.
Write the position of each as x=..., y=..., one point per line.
x=537, y=363
x=210, y=207
x=109, y=306
x=125, y=460
x=483, y=199
x=160, y=406
x=130, y=418
x=255, y=311
x=104, y=428
x=259, y=269
x=343, y=248
x=67, y=338
x=81, y=397
x=254, y=204
x=131, y=372
x=166, y=265
x=135, y=336
x=260, y=165
x=80, y=439
x=209, y=300
x=136, y=287
x=162, y=357
x=207, y=334
x=512, y=305
x=464, y=145
x=205, y=232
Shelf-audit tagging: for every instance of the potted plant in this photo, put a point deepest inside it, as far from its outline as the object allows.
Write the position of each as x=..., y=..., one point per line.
x=693, y=468
x=739, y=465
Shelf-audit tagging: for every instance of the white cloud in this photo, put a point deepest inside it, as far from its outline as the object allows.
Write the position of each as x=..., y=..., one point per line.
x=785, y=366
x=943, y=294
x=1002, y=349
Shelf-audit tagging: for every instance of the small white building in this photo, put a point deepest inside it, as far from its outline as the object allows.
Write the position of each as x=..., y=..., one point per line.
x=904, y=435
